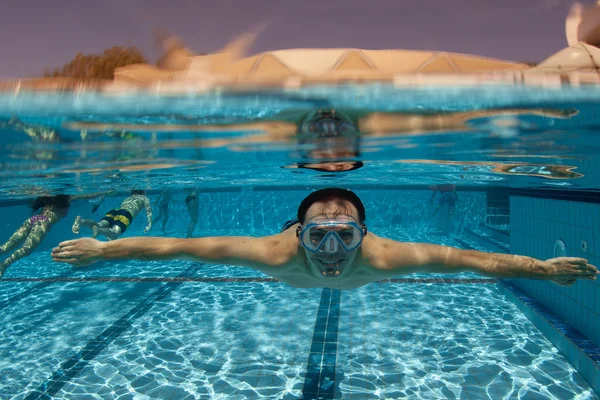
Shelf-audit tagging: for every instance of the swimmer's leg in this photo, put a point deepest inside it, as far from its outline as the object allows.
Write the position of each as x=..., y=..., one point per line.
x=88, y=223
x=32, y=241
x=191, y=227
x=193, y=210
x=76, y=223
x=436, y=211
x=158, y=217
x=16, y=237
x=165, y=219
x=110, y=233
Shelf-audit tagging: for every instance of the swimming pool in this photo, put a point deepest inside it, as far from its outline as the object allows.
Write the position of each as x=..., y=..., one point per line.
x=186, y=330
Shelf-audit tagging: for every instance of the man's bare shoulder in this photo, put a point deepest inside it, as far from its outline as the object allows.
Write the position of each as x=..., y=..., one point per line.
x=282, y=248
x=382, y=253
x=373, y=248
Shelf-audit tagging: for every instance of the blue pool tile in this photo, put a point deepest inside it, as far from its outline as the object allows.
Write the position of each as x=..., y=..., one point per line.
x=577, y=348
x=316, y=347
x=331, y=337
x=330, y=347
x=320, y=380
x=318, y=337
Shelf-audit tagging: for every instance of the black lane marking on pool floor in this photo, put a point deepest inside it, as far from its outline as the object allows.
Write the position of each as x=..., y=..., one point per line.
x=240, y=280
x=70, y=368
x=319, y=381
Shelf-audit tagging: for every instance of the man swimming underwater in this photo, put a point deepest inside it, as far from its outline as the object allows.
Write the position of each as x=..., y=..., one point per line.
x=327, y=247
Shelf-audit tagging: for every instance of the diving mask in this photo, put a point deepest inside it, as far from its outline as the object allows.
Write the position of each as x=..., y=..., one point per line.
x=331, y=236
x=328, y=124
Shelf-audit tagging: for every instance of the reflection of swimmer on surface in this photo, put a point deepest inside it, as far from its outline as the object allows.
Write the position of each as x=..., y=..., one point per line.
x=191, y=203
x=36, y=133
x=330, y=166
x=327, y=246
x=163, y=208
x=40, y=133
x=540, y=170
x=448, y=196
x=288, y=124
x=34, y=229
x=120, y=135
x=115, y=222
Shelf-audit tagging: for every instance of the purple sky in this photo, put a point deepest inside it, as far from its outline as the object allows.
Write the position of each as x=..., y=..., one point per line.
x=35, y=34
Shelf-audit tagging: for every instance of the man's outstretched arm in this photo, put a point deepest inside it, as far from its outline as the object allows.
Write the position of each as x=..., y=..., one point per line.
x=258, y=253
x=404, y=258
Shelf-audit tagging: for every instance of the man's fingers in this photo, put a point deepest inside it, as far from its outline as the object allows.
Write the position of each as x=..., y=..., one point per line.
x=576, y=260
x=64, y=255
x=66, y=243
x=586, y=269
x=64, y=248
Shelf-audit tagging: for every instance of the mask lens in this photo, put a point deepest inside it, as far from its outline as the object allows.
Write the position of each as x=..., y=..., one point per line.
x=331, y=236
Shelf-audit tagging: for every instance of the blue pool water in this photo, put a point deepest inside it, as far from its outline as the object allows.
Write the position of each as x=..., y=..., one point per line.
x=185, y=330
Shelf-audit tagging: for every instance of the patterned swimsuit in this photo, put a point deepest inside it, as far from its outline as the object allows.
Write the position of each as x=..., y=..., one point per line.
x=37, y=218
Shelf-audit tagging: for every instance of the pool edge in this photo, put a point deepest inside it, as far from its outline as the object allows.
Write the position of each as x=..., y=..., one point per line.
x=577, y=357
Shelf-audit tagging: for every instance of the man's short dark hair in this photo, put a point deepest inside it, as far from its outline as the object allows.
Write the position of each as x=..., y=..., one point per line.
x=355, y=165
x=142, y=192
x=60, y=201
x=335, y=195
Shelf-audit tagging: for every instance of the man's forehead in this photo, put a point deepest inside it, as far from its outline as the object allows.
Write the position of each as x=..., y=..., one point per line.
x=345, y=211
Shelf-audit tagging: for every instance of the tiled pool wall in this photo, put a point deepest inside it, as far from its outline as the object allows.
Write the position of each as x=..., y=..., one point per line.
x=536, y=224
x=384, y=208
x=265, y=210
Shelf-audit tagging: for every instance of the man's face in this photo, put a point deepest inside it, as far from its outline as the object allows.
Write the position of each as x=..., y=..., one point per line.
x=332, y=259
x=332, y=166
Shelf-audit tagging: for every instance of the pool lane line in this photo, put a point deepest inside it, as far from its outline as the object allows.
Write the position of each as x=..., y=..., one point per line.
x=71, y=367
x=319, y=380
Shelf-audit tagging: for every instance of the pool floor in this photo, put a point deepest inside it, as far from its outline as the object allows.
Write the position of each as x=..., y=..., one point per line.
x=182, y=334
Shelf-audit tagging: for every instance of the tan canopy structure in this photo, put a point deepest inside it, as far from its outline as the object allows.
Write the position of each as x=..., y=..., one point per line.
x=580, y=57
x=179, y=68
x=231, y=65
x=581, y=60
x=320, y=65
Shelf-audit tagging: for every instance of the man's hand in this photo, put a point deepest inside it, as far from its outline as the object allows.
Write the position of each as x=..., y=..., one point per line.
x=80, y=252
x=566, y=270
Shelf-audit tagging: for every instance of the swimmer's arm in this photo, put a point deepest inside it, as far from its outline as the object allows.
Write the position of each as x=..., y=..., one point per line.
x=406, y=258
x=257, y=253
x=148, y=214
x=382, y=123
x=278, y=129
